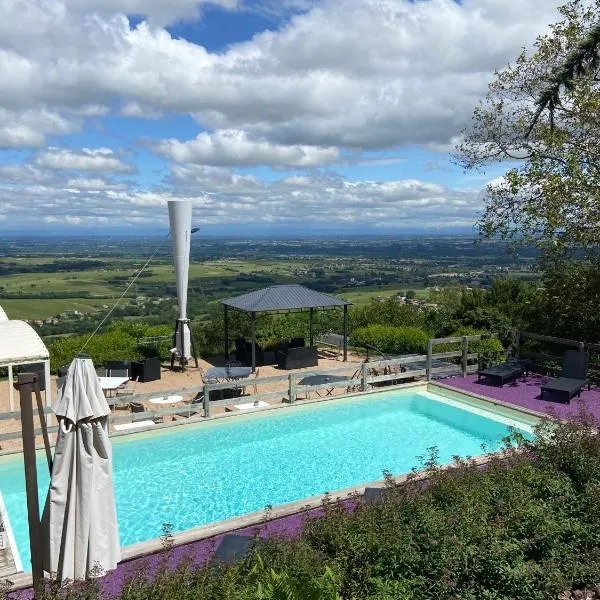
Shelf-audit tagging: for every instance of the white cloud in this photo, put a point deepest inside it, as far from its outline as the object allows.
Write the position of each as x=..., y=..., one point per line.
x=98, y=159
x=136, y=111
x=29, y=128
x=94, y=184
x=230, y=147
x=359, y=73
x=161, y=12
x=333, y=83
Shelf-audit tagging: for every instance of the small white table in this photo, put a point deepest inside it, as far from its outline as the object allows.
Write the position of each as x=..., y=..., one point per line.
x=166, y=399
x=134, y=425
x=251, y=405
x=110, y=384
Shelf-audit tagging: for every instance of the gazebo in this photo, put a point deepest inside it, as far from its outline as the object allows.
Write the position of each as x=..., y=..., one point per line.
x=283, y=298
x=21, y=345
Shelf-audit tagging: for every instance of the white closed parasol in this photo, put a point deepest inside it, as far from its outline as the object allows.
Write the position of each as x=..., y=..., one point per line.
x=81, y=537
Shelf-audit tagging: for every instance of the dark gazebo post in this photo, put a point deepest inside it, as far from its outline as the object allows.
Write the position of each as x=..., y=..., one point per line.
x=253, y=323
x=310, y=327
x=226, y=332
x=345, y=332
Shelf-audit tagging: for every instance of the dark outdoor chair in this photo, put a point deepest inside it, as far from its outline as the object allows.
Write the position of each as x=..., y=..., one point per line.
x=111, y=365
x=118, y=373
x=37, y=369
x=507, y=371
x=572, y=378
x=146, y=370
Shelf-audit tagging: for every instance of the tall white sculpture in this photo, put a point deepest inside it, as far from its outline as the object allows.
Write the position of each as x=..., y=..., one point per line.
x=180, y=219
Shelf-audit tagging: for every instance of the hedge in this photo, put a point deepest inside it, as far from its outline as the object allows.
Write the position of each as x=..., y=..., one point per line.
x=120, y=342
x=391, y=340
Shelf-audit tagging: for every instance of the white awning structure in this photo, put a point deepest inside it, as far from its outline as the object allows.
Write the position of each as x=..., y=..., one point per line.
x=3, y=316
x=21, y=345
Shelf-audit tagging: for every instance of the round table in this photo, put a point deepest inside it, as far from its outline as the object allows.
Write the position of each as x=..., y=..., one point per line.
x=166, y=399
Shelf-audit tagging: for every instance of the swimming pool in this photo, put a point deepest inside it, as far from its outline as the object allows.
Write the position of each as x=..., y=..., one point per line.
x=198, y=474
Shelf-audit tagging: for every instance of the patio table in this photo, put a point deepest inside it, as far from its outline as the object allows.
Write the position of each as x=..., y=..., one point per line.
x=166, y=399
x=322, y=379
x=227, y=373
x=110, y=384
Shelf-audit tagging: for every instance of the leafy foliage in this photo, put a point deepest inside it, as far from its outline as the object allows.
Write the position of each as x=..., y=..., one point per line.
x=551, y=199
x=120, y=342
x=392, y=340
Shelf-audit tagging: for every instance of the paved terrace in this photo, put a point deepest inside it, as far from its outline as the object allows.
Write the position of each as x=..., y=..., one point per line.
x=525, y=393
x=190, y=378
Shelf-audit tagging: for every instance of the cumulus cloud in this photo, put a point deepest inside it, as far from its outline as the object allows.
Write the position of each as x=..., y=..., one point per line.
x=98, y=159
x=339, y=80
x=231, y=147
x=161, y=12
x=360, y=73
x=223, y=198
x=29, y=128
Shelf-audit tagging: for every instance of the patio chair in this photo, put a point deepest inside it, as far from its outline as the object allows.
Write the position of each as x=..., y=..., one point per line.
x=355, y=387
x=137, y=408
x=198, y=399
x=128, y=389
x=234, y=363
x=101, y=371
x=573, y=376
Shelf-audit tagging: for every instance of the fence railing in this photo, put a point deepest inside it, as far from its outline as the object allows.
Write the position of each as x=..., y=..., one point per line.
x=359, y=377
x=547, y=352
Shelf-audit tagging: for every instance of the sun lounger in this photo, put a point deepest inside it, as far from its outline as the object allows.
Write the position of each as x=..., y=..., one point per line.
x=508, y=371
x=573, y=376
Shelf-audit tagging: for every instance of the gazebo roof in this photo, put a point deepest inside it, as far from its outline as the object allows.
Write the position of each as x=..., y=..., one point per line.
x=19, y=343
x=283, y=297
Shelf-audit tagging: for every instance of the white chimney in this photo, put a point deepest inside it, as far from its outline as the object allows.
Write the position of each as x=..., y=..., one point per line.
x=180, y=219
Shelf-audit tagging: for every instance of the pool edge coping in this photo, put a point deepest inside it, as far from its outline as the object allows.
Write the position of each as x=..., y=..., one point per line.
x=154, y=546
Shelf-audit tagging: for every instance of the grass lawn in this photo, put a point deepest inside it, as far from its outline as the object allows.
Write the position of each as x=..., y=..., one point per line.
x=365, y=295
x=46, y=308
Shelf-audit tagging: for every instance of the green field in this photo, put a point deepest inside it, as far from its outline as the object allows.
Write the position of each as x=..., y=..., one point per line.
x=366, y=295
x=46, y=308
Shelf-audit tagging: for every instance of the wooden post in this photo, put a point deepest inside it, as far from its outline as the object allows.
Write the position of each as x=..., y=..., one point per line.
x=363, y=376
x=27, y=383
x=226, y=332
x=292, y=388
x=43, y=425
x=310, y=327
x=253, y=322
x=11, y=392
x=345, y=332
x=48, y=392
x=465, y=353
x=206, y=400
x=429, y=359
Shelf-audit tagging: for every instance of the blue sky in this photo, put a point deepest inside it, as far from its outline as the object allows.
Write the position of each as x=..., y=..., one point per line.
x=273, y=117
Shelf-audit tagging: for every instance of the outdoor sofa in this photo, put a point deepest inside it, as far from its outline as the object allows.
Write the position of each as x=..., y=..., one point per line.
x=507, y=371
x=573, y=376
x=298, y=358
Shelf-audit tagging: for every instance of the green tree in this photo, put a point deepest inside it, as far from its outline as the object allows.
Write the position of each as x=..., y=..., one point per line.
x=549, y=197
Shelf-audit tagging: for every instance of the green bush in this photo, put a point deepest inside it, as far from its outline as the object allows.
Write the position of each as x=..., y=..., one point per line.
x=119, y=342
x=391, y=340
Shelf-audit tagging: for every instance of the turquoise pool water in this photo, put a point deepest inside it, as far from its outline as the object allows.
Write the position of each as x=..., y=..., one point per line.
x=197, y=474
